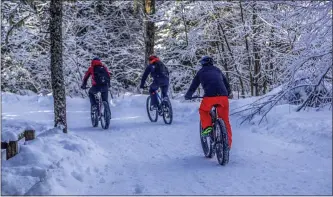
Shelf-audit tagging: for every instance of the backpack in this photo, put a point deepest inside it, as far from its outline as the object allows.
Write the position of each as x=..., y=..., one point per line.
x=101, y=76
x=161, y=69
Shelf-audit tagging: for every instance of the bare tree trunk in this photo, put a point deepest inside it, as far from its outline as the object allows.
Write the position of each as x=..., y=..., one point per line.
x=57, y=77
x=184, y=21
x=222, y=36
x=135, y=7
x=224, y=60
x=256, y=51
x=149, y=9
x=265, y=83
x=272, y=45
x=247, y=49
x=220, y=27
x=269, y=69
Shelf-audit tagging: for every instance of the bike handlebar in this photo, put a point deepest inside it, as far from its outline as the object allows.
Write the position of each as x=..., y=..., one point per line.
x=144, y=87
x=87, y=87
x=195, y=97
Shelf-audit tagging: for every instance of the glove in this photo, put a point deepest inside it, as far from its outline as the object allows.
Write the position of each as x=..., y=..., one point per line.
x=83, y=87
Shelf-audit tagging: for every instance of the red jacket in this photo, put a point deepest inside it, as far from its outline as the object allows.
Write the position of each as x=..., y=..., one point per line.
x=91, y=72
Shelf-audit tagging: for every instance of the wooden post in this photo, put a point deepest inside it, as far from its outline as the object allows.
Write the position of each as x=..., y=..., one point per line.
x=29, y=135
x=4, y=145
x=12, y=149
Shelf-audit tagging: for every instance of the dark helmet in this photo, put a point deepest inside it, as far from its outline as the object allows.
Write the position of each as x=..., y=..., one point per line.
x=206, y=60
x=96, y=58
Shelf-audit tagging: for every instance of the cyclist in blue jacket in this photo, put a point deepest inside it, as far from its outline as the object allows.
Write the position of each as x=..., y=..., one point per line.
x=160, y=74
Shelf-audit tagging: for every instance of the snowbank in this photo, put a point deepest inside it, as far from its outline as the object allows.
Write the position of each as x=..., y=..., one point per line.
x=11, y=128
x=10, y=98
x=312, y=128
x=43, y=164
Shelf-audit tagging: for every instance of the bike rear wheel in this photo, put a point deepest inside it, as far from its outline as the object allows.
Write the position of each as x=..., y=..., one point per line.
x=151, y=115
x=105, y=115
x=167, y=112
x=94, y=116
x=206, y=143
x=221, y=146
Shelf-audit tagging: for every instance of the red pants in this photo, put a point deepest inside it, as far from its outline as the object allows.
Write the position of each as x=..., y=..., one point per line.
x=222, y=109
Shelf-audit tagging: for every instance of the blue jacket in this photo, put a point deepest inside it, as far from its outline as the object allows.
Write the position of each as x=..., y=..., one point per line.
x=158, y=78
x=212, y=80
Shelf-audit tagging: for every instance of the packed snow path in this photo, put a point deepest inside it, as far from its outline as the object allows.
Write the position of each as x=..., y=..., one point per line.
x=145, y=158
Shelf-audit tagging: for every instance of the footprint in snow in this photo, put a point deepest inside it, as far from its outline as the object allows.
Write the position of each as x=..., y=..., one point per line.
x=88, y=171
x=102, y=180
x=77, y=176
x=138, y=189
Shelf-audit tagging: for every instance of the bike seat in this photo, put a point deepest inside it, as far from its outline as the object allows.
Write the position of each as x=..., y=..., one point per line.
x=156, y=91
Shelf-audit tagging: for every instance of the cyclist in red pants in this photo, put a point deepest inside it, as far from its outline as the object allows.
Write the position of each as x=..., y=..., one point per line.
x=217, y=90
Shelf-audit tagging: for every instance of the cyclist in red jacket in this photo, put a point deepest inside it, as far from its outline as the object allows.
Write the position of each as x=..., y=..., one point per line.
x=100, y=81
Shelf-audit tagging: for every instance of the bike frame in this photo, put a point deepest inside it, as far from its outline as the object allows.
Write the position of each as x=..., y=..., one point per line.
x=100, y=103
x=98, y=97
x=214, y=109
x=159, y=97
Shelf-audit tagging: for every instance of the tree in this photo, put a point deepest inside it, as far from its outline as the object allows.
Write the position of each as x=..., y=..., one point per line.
x=257, y=44
x=149, y=10
x=57, y=77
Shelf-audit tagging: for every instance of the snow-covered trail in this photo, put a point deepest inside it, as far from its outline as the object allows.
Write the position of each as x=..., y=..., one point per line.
x=154, y=158
x=145, y=158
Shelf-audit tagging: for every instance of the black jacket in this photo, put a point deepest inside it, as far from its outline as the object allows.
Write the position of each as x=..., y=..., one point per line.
x=159, y=77
x=212, y=80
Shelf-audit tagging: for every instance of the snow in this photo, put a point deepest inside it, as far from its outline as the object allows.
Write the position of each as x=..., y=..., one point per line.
x=12, y=127
x=43, y=164
x=289, y=154
x=308, y=127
